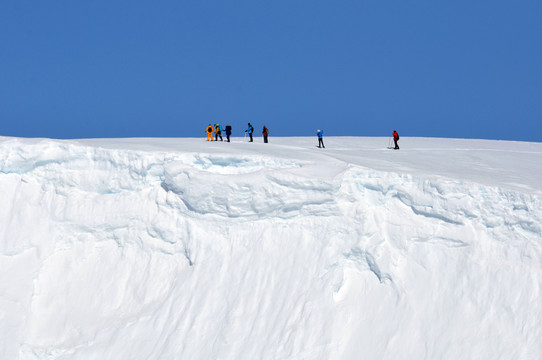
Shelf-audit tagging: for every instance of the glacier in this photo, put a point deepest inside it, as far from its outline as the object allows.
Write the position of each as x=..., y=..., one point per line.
x=179, y=248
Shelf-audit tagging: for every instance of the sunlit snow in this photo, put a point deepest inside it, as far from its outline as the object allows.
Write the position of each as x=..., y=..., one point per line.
x=188, y=249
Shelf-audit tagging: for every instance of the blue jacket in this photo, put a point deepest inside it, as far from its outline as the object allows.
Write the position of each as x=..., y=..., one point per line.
x=320, y=134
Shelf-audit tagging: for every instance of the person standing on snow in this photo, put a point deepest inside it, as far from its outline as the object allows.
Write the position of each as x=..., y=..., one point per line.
x=209, y=132
x=265, y=132
x=395, y=139
x=228, y=132
x=249, y=130
x=218, y=132
x=320, y=134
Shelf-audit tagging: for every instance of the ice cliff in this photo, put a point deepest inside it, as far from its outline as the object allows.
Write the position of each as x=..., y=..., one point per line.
x=184, y=249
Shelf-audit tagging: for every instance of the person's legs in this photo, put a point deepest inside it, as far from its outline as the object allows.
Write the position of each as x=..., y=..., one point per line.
x=250, y=137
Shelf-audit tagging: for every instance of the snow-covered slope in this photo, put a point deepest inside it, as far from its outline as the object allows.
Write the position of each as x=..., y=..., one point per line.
x=186, y=249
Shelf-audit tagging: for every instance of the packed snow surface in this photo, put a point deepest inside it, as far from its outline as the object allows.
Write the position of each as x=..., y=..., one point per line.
x=187, y=249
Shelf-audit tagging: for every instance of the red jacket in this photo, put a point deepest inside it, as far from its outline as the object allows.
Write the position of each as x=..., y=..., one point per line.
x=395, y=136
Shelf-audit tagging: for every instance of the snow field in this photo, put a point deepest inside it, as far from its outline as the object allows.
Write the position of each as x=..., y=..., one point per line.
x=203, y=251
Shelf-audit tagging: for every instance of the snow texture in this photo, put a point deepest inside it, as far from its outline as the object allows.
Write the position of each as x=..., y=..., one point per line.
x=187, y=249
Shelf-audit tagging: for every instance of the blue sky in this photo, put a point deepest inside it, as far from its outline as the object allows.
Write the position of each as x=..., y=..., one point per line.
x=79, y=69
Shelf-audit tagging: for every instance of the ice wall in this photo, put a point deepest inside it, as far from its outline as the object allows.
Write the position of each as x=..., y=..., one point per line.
x=125, y=254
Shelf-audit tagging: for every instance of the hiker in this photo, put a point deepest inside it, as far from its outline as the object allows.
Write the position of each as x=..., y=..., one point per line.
x=265, y=132
x=218, y=132
x=395, y=139
x=209, y=132
x=320, y=133
x=228, y=132
x=249, y=130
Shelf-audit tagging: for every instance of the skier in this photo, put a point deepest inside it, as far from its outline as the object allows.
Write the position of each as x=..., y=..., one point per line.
x=395, y=139
x=265, y=132
x=249, y=130
x=209, y=132
x=320, y=133
x=218, y=132
x=228, y=132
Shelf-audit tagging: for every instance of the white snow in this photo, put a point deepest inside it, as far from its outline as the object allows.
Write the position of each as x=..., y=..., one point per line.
x=187, y=249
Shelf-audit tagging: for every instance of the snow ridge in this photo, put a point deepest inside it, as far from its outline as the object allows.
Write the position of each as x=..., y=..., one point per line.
x=145, y=254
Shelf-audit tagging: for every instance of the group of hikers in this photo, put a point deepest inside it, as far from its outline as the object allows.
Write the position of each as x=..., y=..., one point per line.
x=217, y=130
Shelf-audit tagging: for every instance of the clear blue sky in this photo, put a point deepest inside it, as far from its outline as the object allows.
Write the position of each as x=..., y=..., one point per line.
x=466, y=69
